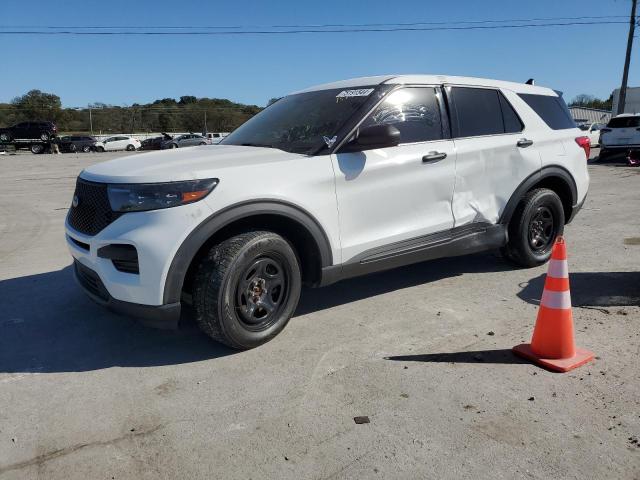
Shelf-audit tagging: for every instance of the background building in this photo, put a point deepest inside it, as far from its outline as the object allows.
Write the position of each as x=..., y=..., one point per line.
x=632, y=102
x=589, y=115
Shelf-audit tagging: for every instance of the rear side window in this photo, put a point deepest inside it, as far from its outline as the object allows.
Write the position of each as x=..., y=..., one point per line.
x=552, y=110
x=624, y=122
x=477, y=111
x=413, y=111
x=483, y=111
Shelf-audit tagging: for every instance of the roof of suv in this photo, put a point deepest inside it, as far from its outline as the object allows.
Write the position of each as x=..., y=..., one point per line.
x=432, y=79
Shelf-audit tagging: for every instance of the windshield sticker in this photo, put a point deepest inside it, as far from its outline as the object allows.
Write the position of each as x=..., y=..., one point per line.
x=362, y=92
x=330, y=141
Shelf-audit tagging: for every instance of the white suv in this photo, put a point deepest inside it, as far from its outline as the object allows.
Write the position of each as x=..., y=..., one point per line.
x=620, y=134
x=327, y=183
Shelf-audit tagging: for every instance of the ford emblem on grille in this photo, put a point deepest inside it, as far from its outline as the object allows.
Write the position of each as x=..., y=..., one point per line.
x=75, y=201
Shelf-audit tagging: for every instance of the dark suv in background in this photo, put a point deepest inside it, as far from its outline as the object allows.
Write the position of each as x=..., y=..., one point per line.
x=29, y=131
x=77, y=144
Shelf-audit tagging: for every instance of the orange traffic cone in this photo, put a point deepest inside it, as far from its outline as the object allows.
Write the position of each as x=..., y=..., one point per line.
x=552, y=345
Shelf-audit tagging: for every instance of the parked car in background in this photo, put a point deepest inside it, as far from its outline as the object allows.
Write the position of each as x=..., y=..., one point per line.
x=29, y=130
x=592, y=130
x=118, y=143
x=620, y=134
x=188, y=140
x=77, y=144
x=216, y=137
x=155, y=143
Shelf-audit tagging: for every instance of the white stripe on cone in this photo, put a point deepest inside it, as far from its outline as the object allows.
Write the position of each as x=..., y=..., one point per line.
x=559, y=300
x=558, y=268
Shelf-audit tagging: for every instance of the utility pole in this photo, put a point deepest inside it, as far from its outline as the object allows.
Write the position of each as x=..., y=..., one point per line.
x=625, y=74
x=90, y=121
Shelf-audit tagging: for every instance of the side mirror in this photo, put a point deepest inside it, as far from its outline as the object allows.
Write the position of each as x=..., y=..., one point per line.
x=376, y=136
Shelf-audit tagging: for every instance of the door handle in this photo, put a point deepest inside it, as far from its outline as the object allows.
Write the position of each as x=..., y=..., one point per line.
x=524, y=142
x=434, y=156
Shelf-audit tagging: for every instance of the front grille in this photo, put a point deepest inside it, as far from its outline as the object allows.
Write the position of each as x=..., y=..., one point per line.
x=126, y=266
x=93, y=211
x=90, y=281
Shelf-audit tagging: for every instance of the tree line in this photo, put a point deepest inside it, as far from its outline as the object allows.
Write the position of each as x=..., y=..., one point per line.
x=590, y=101
x=187, y=114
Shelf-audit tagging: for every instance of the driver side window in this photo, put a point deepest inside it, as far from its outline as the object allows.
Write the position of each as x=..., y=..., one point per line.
x=414, y=111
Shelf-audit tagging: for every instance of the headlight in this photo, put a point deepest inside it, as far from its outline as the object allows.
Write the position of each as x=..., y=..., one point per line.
x=137, y=197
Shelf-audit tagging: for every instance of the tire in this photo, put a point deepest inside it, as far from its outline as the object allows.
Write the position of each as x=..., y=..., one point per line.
x=44, y=136
x=130, y=148
x=5, y=137
x=36, y=149
x=72, y=148
x=86, y=149
x=537, y=221
x=100, y=149
x=202, y=143
x=174, y=145
x=246, y=289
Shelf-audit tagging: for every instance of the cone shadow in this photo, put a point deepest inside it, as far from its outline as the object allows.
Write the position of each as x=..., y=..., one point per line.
x=504, y=356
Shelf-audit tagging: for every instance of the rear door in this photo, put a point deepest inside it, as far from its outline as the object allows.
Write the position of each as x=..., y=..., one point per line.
x=495, y=153
x=390, y=195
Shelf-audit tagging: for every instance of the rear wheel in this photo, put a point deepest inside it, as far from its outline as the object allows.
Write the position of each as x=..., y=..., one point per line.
x=100, y=149
x=130, y=148
x=5, y=137
x=86, y=148
x=174, y=145
x=537, y=221
x=247, y=288
x=44, y=136
x=37, y=148
x=72, y=148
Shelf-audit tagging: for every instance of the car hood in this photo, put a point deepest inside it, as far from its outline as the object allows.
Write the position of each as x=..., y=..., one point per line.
x=206, y=161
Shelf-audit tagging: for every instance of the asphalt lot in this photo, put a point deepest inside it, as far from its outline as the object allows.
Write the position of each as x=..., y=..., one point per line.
x=423, y=351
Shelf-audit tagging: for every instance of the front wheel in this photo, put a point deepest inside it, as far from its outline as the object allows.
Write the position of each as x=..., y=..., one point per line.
x=247, y=288
x=100, y=149
x=44, y=136
x=5, y=137
x=37, y=148
x=130, y=148
x=537, y=221
x=86, y=149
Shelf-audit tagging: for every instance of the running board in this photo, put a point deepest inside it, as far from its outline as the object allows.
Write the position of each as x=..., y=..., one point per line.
x=472, y=238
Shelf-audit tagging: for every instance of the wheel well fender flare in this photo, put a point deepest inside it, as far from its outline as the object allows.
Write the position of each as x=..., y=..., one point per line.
x=215, y=223
x=548, y=172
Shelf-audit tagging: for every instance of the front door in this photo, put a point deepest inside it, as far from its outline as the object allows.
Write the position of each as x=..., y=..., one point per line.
x=389, y=195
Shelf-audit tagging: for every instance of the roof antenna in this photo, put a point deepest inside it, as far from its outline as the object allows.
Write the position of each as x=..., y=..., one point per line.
x=531, y=81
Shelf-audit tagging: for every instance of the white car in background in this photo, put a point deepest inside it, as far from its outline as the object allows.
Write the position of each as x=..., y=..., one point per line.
x=592, y=130
x=216, y=137
x=620, y=134
x=118, y=143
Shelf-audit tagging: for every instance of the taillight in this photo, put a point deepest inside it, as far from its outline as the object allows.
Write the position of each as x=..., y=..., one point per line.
x=585, y=143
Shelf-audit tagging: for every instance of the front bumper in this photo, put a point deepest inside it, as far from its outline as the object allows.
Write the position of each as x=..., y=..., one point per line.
x=160, y=316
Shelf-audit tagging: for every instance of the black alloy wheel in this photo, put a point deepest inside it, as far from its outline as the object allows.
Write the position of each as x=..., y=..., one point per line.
x=261, y=292
x=542, y=229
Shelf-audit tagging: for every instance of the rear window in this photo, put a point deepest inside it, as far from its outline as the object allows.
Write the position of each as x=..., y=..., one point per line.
x=551, y=109
x=624, y=122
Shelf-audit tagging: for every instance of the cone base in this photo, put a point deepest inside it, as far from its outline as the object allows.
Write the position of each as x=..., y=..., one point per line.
x=556, y=364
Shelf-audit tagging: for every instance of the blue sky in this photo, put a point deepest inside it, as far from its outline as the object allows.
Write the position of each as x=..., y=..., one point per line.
x=253, y=68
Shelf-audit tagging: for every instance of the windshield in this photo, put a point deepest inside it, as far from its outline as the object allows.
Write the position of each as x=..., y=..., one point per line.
x=297, y=123
x=624, y=122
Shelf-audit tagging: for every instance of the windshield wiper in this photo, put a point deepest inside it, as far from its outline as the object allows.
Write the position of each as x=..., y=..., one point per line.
x=264, y=145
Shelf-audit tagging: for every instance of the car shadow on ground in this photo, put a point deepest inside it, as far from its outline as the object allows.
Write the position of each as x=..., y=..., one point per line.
x=48, y=324
x=591, y=289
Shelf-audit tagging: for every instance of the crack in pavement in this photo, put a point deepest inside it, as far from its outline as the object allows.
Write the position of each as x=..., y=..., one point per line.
x=45, y=457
